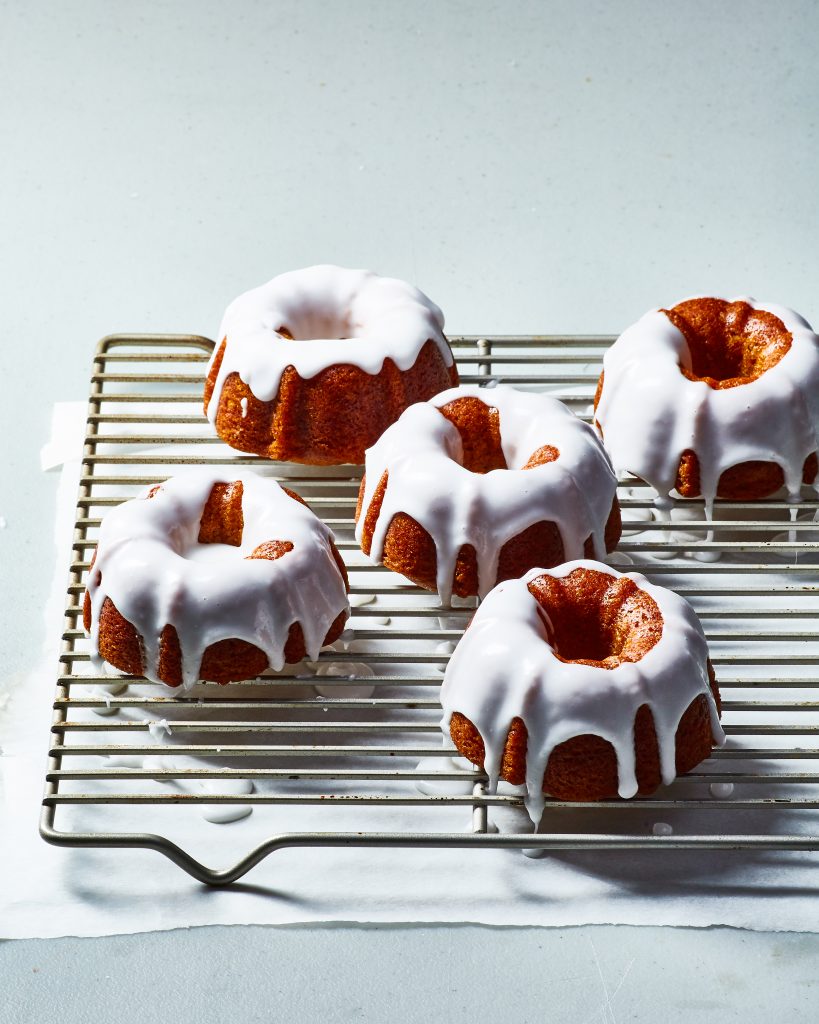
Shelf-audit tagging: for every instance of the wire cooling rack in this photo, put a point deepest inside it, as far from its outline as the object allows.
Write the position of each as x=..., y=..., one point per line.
x=279, y=747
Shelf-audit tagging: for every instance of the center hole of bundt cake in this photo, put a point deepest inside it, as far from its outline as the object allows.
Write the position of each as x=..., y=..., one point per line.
x=594, y=618
x=730, y=343
x=222, y=520
x=317, y=326
x=214, y=540
x=479, y=427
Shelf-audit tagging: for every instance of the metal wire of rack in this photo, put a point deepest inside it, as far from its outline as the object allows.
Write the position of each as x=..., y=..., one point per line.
x=751, y=574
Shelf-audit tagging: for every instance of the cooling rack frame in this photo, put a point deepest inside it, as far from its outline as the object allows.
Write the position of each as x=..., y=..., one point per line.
x=566, y=366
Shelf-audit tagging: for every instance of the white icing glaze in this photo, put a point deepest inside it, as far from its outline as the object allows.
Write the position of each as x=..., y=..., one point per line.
x=218, y=814
x=224, y=814
x=504, y=667
x=159, y=729
x=102, y=692
x=792, y=511
x=124, y=761
x=422, y=452
x=534, y=852
x=106, y=691
x=649, y=413
x=227, y=813
x=151, y=565
x=447, y=647
x=345, y=670
x=335, y=315
x=444, y=787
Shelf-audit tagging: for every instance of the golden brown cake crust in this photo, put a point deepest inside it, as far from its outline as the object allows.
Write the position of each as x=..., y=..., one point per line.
x=731, y=344
x=328, y=419
x=227, y=660
x=222, y=519
x=410, y=550
x=585, y=767
x=747, y=481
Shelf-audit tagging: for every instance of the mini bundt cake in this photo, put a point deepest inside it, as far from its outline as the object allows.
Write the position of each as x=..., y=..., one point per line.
x=713, y=397
x=314, y=366
x=479, y=485
x=583, y=683
x=214, y=576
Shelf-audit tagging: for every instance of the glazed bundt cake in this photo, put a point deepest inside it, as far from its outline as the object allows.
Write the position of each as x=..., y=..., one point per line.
x=214, y=576
x=313, y=366
x=583, y=683
x=479, y=485
x=713, y=397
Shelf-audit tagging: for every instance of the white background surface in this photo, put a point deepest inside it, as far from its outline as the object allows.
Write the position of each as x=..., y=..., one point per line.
x=533, y=167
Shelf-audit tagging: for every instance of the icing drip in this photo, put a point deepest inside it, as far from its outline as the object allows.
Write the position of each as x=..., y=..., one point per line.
x=650, y=413
x=345, y=670
x=218, y=814
x=106, y=692
x=504, y=667
x=332, y=315
x=422, y=453
x=224, y=814
x=444, y=787
x=159, y=729
x=792, y=511
x=150, y=564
